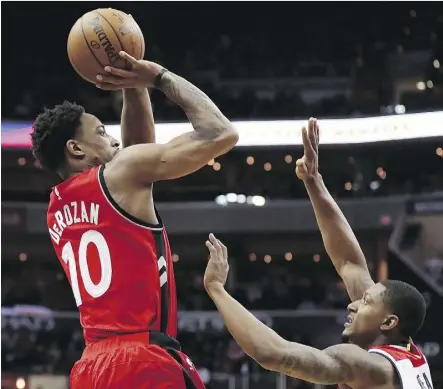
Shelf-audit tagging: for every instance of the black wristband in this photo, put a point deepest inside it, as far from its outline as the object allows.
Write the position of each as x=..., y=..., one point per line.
x=158, y=79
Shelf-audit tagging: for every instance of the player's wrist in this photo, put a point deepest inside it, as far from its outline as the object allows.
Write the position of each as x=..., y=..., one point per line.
x=214, y=288
x=160, y=78
x=313, y=179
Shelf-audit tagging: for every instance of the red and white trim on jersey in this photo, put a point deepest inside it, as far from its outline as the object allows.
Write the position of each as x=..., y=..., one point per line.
x=120, y=210
x=409, y=362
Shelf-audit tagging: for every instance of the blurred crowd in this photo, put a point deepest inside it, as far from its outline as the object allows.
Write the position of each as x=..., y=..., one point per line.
x=53, y=344
x=304, y=284
x=257, y=62
x=346, y=66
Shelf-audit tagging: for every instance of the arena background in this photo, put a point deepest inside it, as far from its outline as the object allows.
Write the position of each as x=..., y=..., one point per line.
x=269, y=66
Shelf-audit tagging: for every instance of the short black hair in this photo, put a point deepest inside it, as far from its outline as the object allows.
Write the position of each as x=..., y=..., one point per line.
x=408, y=304
x=51, y=130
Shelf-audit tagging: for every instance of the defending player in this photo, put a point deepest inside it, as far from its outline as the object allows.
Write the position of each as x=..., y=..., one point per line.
x=382, y=319
x=105, y=230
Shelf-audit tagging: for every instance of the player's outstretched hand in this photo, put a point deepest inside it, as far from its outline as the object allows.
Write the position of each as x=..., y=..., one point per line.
x=141, y=74
x=217, y=269
x=307, y=166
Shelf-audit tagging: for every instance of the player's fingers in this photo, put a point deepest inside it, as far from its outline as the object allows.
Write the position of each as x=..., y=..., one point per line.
x=210, y=247
x=103, y=79
x=309, y=151
x=127, y=57
x=212, y=239
x=120, y=72
x=106, y=86
x=224, y=251
x=311, y=132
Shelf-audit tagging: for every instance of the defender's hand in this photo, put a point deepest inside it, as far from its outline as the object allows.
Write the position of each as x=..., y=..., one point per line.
x=217, y=269
x=307, y=166
x=141, y=74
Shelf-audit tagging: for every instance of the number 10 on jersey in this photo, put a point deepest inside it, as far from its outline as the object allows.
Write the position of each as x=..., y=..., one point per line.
x=68, y=255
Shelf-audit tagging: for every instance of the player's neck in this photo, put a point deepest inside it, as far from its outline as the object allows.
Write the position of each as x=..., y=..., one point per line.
x=68, y=172
x=383, y=340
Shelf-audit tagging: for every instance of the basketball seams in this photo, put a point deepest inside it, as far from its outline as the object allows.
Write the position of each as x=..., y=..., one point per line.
x=115, y=33
x=107, y=22
x=87, y=44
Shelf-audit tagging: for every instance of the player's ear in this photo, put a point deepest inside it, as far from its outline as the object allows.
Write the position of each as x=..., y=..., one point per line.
x=74, y=148
x=390, y=322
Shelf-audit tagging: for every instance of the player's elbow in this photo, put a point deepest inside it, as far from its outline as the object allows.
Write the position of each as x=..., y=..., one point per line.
x=268, y=356
x=228, y=138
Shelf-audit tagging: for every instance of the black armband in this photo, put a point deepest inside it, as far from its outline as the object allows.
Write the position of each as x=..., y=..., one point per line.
x=158, y=79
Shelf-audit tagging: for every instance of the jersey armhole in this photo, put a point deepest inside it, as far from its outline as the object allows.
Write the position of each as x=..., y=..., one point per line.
x=120, y=210
x=392, y=361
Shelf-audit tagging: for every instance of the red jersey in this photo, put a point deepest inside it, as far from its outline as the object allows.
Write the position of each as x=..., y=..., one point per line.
x=120, y=268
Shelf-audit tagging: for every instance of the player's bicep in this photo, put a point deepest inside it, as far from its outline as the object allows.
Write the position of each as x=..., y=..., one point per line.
x=357, y=280
x=148, y=163
x=339, y=364
x=190, y=152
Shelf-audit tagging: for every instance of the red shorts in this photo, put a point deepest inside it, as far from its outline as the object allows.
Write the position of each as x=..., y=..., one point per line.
x=135, y=361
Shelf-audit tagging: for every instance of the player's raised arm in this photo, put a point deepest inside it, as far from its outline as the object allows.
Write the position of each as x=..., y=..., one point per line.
x=338, y=237
x=213, y=133
x=137, y=121
x=340, y=364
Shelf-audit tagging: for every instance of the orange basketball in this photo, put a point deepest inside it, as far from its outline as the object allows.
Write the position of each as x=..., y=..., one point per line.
x=97, y=38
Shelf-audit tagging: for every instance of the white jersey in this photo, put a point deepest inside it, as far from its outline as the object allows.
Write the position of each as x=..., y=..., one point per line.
x=410, y=363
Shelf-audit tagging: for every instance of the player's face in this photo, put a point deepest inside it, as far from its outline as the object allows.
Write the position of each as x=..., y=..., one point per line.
x=97, y=146
x=367, y=317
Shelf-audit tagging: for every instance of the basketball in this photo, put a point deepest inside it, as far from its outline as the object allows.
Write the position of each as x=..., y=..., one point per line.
x=97, y=38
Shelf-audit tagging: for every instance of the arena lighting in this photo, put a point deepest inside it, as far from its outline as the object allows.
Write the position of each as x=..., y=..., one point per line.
x=235, y=198
x=258, y=201
x=285, y=132
x=20, y=383
x=421, y=85
x=231, y=197
x=374, y=185
x=400, y=109
x=241, y=199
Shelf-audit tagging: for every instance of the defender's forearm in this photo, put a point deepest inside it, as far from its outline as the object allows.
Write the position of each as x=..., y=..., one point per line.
x=255, y=338
x=137, y=118
x=204, y=115
x=268, y=348
x=338, y=237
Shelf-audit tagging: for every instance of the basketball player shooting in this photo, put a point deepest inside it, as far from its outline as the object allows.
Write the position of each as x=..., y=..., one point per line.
x=383, y=317
x=107, y=234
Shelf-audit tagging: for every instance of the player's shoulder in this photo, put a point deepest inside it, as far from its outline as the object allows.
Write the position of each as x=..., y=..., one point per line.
x=70, y=187
x=398, y=353
x=132, y=166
